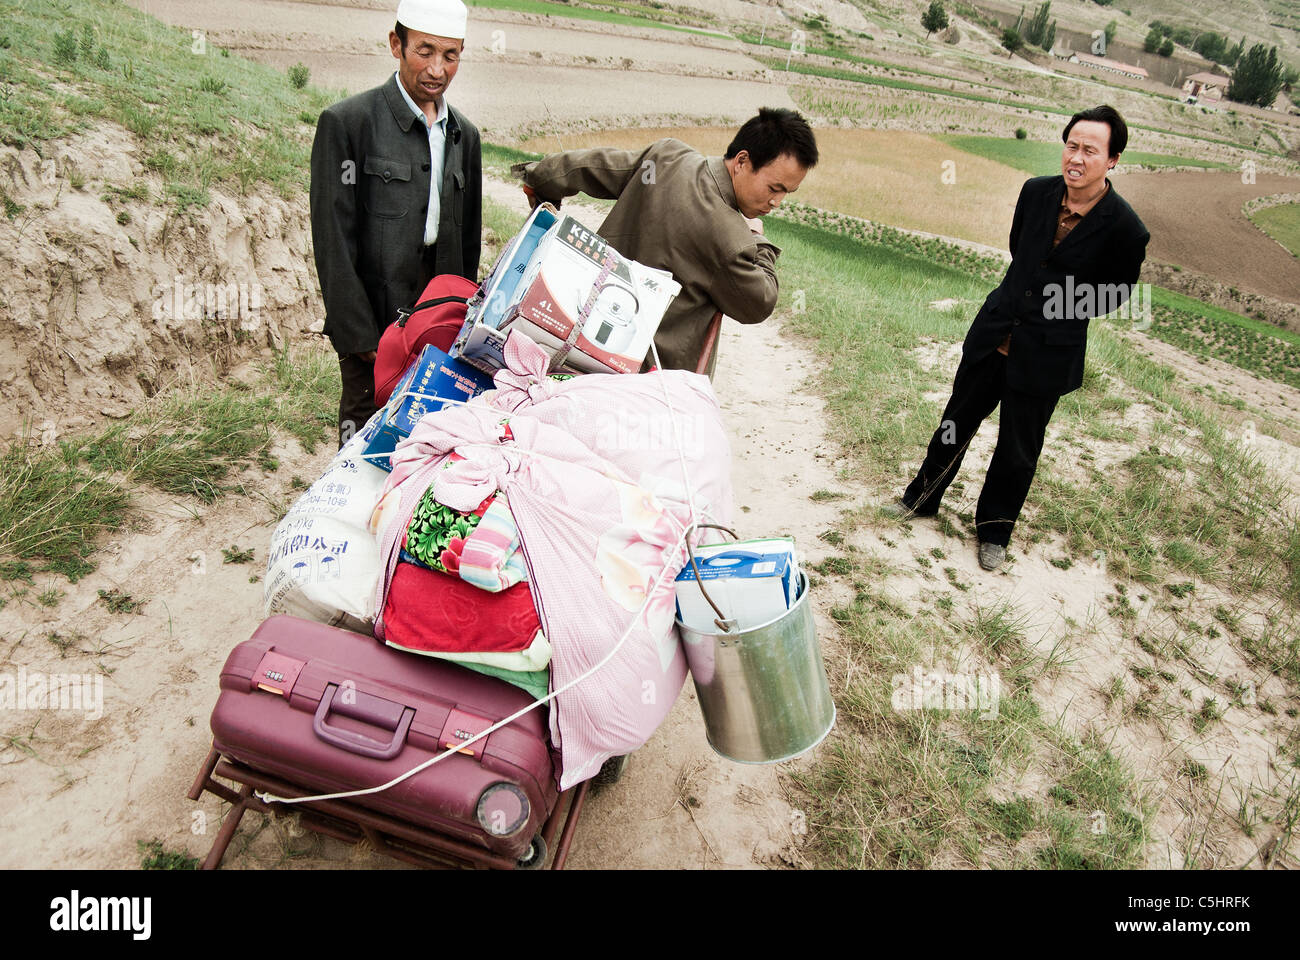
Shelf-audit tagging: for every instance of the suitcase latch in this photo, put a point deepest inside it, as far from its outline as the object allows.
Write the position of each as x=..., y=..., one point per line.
x=277, y=673
x=462, y=726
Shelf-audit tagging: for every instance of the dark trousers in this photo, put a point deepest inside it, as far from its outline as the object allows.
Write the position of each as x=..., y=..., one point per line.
x=976, y=391
x=357, y=403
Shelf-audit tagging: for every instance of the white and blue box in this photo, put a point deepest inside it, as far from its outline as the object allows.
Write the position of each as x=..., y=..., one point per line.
x=433, y=381
x=753, y=581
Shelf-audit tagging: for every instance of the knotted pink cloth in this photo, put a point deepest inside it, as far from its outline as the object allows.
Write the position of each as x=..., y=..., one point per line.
x=626, y=420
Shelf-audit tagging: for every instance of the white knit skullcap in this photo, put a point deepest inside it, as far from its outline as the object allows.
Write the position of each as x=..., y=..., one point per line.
x=442, y=18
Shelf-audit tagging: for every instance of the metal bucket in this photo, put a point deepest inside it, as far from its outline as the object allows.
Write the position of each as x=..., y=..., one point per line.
x=763, y=691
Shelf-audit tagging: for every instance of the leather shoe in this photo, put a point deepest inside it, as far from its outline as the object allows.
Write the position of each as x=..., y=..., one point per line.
x=896, y=509
x=992, y=555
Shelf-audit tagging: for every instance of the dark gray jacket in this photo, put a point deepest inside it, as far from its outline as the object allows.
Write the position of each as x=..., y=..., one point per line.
x=369, y=199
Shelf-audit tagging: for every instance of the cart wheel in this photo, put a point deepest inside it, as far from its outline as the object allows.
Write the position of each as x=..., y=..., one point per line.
x=535, y=857
x=611, y=771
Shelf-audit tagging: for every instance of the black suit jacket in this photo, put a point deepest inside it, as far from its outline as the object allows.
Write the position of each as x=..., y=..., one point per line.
x=369, y=198
x=1048, y=296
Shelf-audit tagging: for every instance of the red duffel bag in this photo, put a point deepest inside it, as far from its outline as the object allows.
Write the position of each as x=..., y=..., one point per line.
x=435, y=319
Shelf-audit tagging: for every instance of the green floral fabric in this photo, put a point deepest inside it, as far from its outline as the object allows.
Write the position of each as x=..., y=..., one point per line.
x=437, y=533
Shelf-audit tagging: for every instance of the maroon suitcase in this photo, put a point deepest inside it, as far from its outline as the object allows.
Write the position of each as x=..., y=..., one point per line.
x=331, y=710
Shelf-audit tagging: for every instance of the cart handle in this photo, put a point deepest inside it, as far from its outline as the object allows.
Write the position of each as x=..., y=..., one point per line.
x=710, y=339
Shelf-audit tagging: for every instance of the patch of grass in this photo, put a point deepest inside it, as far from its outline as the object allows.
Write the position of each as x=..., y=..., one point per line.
x=154, y=856
x=1106, y=826
x=58, y=503
x=1234, y=526
x=946, y=527
x=53, y=513
x=65, y=642
x=16, y=570
x=1208, y=715
x=499, y=158
x=1013, y=818
x=1277, y=648
x=191, y=442
x=119, y=602
x=897, y=786
x=826, y=496
x=236, y=555
x=840, y=566
x=1282, y=223
x=222, y=119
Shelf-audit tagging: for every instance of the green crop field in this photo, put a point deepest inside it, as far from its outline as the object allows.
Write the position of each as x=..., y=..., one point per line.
x=1282, y=223
x=1041, y=159
x=576, y=12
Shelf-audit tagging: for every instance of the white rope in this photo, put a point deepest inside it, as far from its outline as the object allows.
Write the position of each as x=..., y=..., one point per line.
x=650, y=595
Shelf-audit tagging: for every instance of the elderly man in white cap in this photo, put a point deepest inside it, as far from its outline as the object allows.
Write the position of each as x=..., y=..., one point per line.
x=396, y=195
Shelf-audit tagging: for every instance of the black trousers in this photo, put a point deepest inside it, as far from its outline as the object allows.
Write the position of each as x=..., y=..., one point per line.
x=976, y=391
x=357, y=402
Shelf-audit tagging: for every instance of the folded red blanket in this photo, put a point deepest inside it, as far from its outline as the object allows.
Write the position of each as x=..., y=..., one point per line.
x=430, y=610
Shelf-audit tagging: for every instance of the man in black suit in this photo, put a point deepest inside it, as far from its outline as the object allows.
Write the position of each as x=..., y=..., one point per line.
x=1076, y=250
x=396, y=195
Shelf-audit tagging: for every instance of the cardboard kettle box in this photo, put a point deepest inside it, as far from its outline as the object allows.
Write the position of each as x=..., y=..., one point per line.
x=433, y=381
x=753, y=581
x=574, y=268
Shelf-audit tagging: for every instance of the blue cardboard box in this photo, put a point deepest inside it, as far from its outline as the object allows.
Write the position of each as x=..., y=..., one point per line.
x=480, y=343
x=430, y=383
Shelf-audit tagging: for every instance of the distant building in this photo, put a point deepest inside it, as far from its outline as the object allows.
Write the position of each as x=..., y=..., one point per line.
x=1212, y=87
x=1108, y=65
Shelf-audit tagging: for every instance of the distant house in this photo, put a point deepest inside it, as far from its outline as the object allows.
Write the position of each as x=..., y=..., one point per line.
x=1108, y=65
x=1212, y=87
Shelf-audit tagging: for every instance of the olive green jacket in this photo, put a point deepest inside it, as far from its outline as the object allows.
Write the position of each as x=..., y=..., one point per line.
x=676, y=211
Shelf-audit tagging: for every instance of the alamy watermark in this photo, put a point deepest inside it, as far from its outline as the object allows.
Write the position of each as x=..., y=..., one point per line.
x=939, y=690
x=55, y=691
x=1083, y=301
x=208, y=301
x=75, y=913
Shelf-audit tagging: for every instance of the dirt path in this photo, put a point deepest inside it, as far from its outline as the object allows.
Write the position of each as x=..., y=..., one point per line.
x=519, y=71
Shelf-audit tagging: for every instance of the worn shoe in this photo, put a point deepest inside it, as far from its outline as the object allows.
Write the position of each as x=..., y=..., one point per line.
x=896, y=509
x=992, y=555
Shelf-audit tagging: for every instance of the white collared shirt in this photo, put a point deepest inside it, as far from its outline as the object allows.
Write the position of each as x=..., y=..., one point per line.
x=437, y=147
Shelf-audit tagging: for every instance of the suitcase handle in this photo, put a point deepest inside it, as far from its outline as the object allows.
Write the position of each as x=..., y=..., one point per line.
x=368, y=709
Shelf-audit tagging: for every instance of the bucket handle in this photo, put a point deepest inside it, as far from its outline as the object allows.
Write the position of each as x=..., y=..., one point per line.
x=724, y=623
